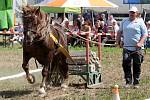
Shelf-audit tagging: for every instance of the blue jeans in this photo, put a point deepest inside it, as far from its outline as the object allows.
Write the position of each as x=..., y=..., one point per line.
x=137, y=58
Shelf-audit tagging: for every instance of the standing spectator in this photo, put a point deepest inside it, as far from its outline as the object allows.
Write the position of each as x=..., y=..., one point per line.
x=134, y=32
x=110, y=23
x=87, y=15
x=115, y=28
x=18, y=37
x=102, y=18
x=80, y=21
x=110, y=20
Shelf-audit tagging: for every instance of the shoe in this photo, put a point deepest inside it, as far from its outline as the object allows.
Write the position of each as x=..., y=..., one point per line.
x=136, y=86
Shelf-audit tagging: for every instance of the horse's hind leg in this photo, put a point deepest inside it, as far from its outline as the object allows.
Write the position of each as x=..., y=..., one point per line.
x=44, y=75
x=64, y=71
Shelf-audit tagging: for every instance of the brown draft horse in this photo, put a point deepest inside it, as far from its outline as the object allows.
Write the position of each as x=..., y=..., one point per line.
x=39, y=45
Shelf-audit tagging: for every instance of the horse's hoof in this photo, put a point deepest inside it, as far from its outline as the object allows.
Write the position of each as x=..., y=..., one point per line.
x=48, y=87
x=31, y=79
x=43, y=95
x=64, y=86
x=42, y=91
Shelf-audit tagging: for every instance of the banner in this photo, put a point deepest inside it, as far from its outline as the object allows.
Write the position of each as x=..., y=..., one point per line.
x=6, y=14
x=3, y=20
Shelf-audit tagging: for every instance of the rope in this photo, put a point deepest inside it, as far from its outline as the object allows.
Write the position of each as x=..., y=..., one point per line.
x=68, y=30
x=87, y=39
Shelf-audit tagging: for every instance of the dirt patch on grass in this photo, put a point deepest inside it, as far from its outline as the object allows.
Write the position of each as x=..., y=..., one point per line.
x=112, y=73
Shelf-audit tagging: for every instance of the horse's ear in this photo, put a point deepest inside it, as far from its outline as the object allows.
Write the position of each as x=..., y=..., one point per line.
x=24, y=8
x=37, y=11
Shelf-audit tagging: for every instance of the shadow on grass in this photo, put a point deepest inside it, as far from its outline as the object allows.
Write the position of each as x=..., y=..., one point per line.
x=1, y=44
x=12, y=94
x=78, y=86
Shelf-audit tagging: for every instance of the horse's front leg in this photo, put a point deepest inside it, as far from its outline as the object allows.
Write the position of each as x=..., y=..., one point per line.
x=25, y=66
x=44, y=78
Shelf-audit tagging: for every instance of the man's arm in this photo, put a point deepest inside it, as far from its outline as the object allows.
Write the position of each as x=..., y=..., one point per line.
x=142, y=41
x=118, y=39
x=144, y=35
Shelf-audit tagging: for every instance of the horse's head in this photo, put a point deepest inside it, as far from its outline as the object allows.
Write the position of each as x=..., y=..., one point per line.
x=34, y=21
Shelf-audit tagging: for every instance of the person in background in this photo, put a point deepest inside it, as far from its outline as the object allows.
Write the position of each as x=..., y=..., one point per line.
x=72, y=37
x=80, y=21
x=110, y=20
x=85, y=28
x=147, y=43
x=148, y=27
x=133, y=33
x=18, y=37
x=102, y=18
x=115, y=28
x=97, y=26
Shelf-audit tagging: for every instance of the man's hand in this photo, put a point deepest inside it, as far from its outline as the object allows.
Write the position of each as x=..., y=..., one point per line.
x=141, y=41
x=139, y=45
x=120, y=44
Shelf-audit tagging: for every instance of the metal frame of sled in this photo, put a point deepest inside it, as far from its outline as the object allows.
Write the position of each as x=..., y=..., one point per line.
x=88, y=71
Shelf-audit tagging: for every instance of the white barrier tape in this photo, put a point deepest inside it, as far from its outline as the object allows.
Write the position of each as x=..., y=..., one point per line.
x=19, y=75
x=105, y=33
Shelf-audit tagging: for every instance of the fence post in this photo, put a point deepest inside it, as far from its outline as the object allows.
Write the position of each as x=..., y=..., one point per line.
x=99, y=47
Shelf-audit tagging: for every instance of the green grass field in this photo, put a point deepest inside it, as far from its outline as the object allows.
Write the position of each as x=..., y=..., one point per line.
x=112, y=73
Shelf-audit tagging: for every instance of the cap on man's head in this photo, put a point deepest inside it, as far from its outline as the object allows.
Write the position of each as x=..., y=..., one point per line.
x=134, y=9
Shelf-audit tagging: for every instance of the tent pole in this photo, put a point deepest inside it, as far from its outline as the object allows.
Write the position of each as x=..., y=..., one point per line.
x=93, y=18
x=81, y=11
x=144, y=14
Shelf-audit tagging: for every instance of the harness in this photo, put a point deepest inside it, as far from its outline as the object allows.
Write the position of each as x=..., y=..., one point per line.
x=60, y=47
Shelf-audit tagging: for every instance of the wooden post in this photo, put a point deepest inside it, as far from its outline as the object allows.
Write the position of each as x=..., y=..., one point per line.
x=99, y=47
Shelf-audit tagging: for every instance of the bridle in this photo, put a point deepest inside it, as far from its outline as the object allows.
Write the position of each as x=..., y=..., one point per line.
x=42, y=38
x=30, y=30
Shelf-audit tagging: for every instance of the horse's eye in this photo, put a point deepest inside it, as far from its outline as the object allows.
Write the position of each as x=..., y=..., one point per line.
x=33, y=32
